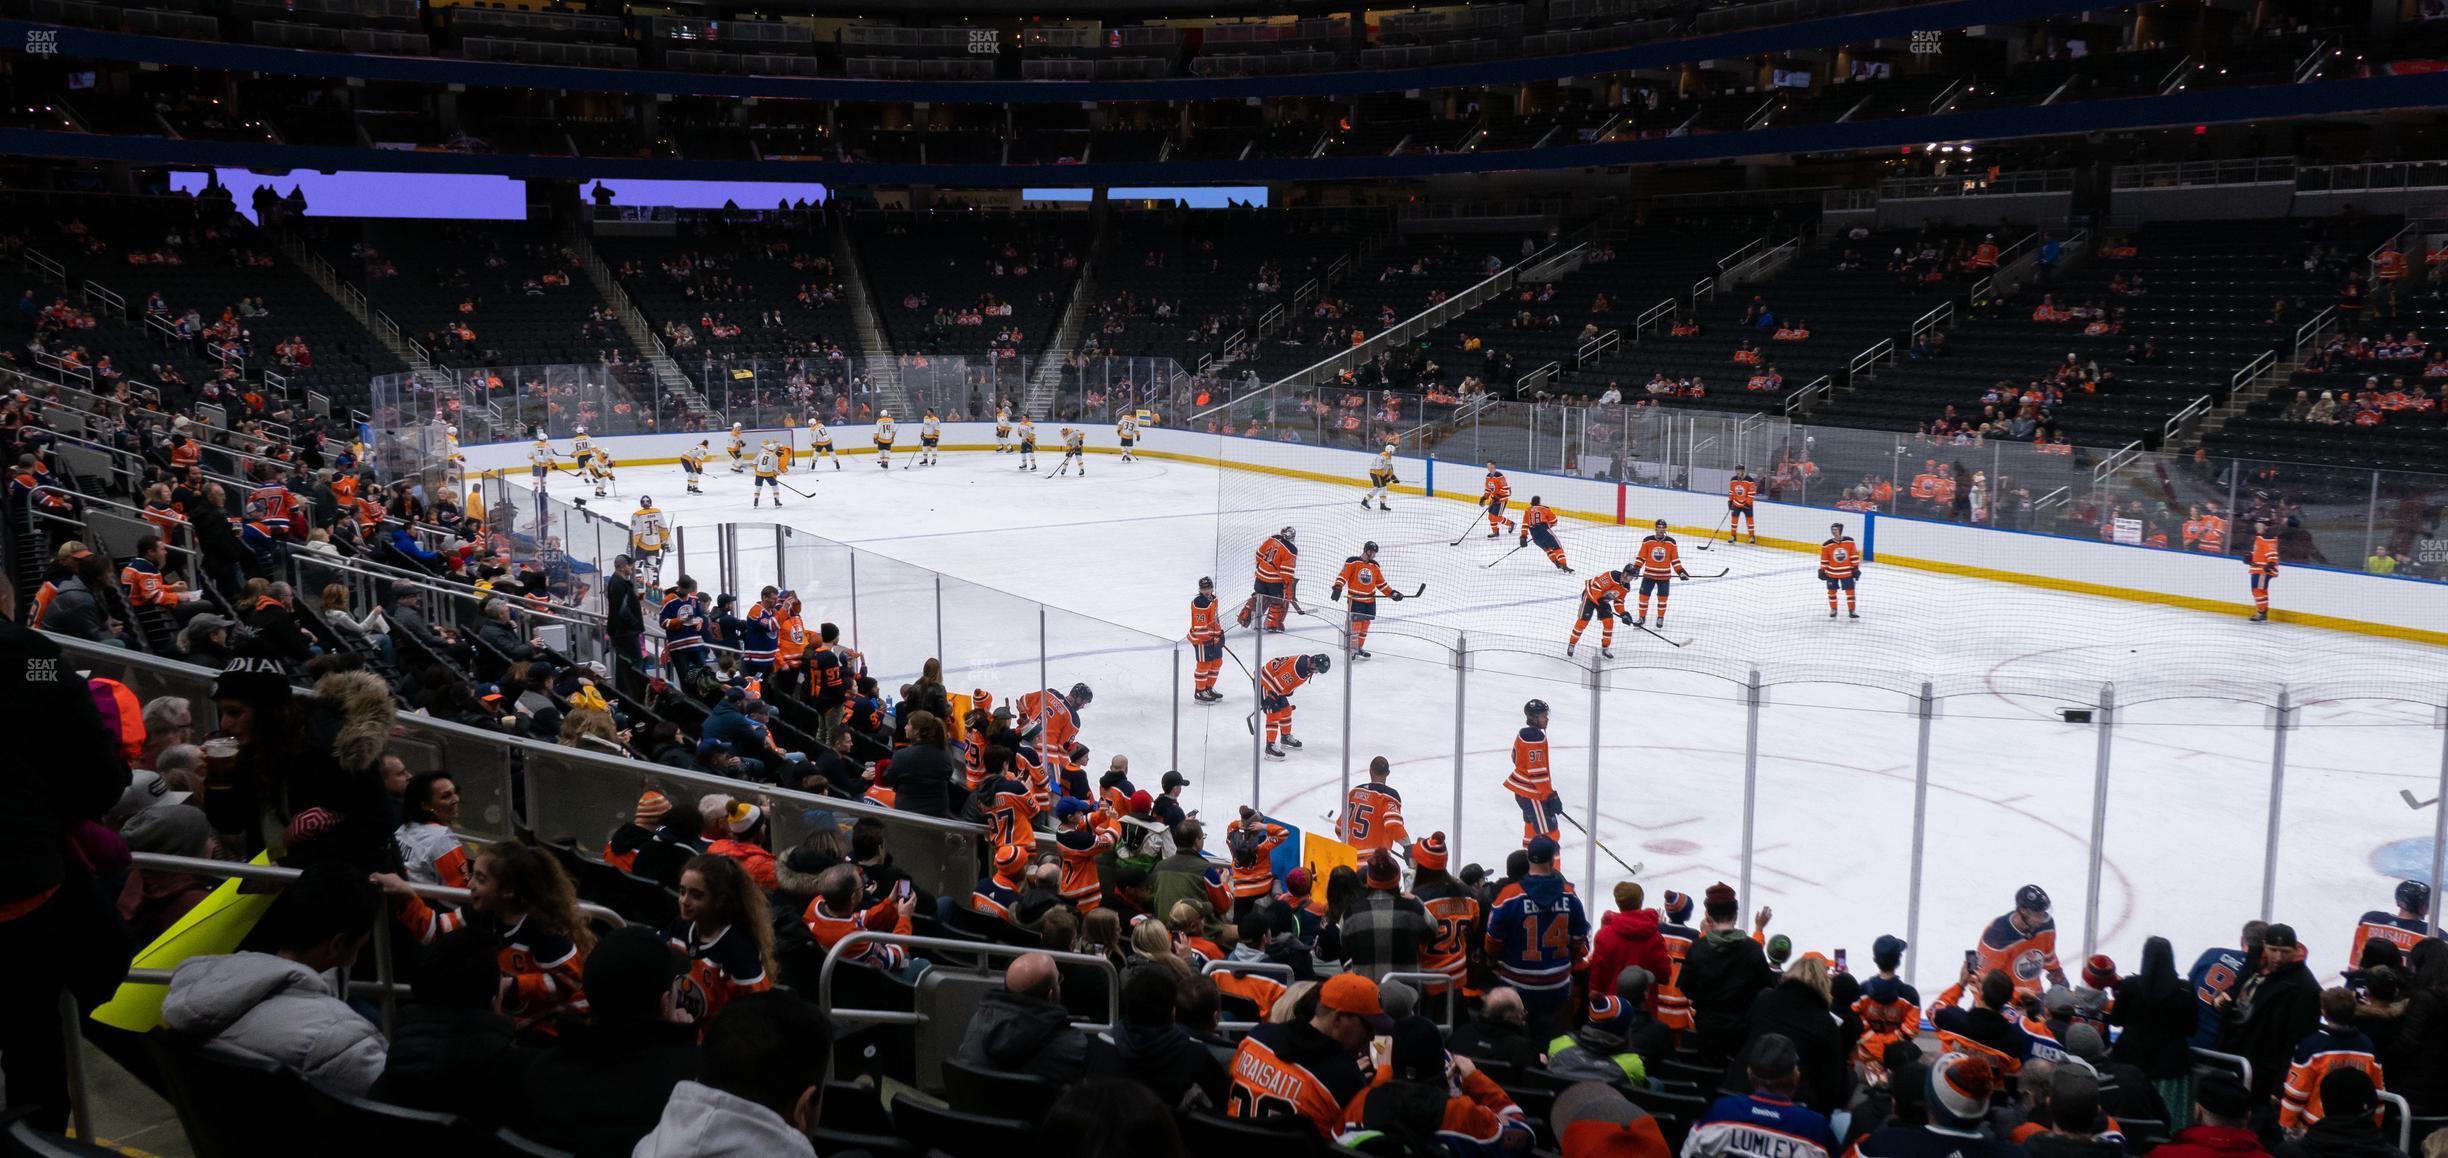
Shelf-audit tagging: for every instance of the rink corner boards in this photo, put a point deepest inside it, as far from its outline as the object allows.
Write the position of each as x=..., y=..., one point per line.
x=2238, y=608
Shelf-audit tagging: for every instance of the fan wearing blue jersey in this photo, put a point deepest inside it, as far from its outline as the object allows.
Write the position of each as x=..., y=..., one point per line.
x=1767, y=1122
x=1538, y=936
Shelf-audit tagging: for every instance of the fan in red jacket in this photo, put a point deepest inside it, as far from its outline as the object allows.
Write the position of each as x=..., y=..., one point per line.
x=1629, y=936
x=2223, y=1105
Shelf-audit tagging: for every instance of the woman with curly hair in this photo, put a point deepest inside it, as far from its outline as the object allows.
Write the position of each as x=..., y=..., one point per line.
x=726, y=928
x=521, y=896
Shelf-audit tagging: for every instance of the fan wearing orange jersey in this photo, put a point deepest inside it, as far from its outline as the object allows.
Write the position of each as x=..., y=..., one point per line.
x=1661, y=563
x=1277, y=581
x=2264, y=566
x=1495, y=494
x=1372, y=813
x=1602, y=599
x=1839, y=565
x=1540, y=806
x=1365, y=580
x=1741, y=490
x=1538, y=525
x=1282, y=676
x=1206, y=644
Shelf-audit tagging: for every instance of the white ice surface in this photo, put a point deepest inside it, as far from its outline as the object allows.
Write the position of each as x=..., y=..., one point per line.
x=2011, y=785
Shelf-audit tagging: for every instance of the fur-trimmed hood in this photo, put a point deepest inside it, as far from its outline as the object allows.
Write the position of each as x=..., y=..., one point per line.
x=359, y=715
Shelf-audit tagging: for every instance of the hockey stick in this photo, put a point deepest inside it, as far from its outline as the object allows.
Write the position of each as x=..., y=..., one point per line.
x=1629, y=869
x=1466, y=527
x=1423, y=590
x=794, y=490
x=1645, y=628
x=1721, y=573
x=1712, y=539
x=2407, y=794
x=1505, y=556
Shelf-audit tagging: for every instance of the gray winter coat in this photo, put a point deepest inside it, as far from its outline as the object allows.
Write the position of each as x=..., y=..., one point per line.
x=1023, y=1034
x=704, y=1122
x=259, y=1005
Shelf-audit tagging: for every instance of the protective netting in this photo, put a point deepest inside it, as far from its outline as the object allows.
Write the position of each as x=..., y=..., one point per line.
x=2004, y=614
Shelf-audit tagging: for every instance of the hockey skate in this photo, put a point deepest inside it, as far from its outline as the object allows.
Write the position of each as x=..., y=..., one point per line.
x=1853, y=614
x=1568, y=651
x=1380, y=504
x=1606, y=652
x=1207, y=696
x=2260, y=617
x=1364, y=504
x=1289, y=741
x=1274, y=753
x=1831, y=613
x=1361, y=653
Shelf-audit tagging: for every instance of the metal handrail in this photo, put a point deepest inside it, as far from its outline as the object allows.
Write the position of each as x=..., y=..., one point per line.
x=833, y=960
x=110, y=300
x=2242, y=1064
x=1597, y=347
x=2117, y=461
x=2313, y=328
x=2195, y=409
x=1651, y=316
x=1822, y=386
x=1884, y=348
x=2252, y=372
x=1937, y=316
x=1737, y=255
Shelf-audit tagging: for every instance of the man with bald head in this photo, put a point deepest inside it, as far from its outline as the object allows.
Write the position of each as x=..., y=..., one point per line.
x=1501, y=1032
x=1023, y=1027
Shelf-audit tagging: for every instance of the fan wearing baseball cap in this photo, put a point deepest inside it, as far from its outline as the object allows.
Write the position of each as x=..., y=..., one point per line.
x=1767, y=1121
x=1537, y=935
x=1310, y=1067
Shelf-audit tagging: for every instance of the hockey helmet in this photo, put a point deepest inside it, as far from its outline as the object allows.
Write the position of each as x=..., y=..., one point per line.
x=2033, y=898
x=1081, y=693
x=735, y=427
x=1206, y=583
x=1389, y=448
x=1369, y=548
x=645, y=500
x=885, y=415
x=1535, y=708
x=1285, y=533
x=580, y=430
x=2413, y=896
x=1320, y=664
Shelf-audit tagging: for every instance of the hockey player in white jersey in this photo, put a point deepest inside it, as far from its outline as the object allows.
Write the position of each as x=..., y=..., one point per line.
x=820, y=444
x=1003, y=428
x=540, y=460
x=739, y=449
x=582, y=449
x=692, y=461
x=599, y=471
x=1381, y=477
x=885, y=436
x=1127, y=432
x=768, y=474
x=1075, y=448
x=649, y=534
x=930, y=435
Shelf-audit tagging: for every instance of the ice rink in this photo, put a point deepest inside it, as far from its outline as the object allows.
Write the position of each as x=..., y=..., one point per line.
x=2011, y=786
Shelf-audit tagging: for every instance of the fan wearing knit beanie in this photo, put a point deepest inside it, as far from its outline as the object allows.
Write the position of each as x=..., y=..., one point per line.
x=655, y=842
x=1722, y=972
x=1956, y=1100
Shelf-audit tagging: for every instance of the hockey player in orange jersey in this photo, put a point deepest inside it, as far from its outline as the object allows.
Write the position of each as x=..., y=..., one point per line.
x=1839, y=565
x=1277, y=583
x=1541, y=808
x=1372, y=815
x=1602, y=599
x=1206, y=644
x=1495, y=494
x=1365, y=580
x=1538, y=525
x=1661, y=563
x=2264, y=567
x=1741, y=490
x=1277, y=680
